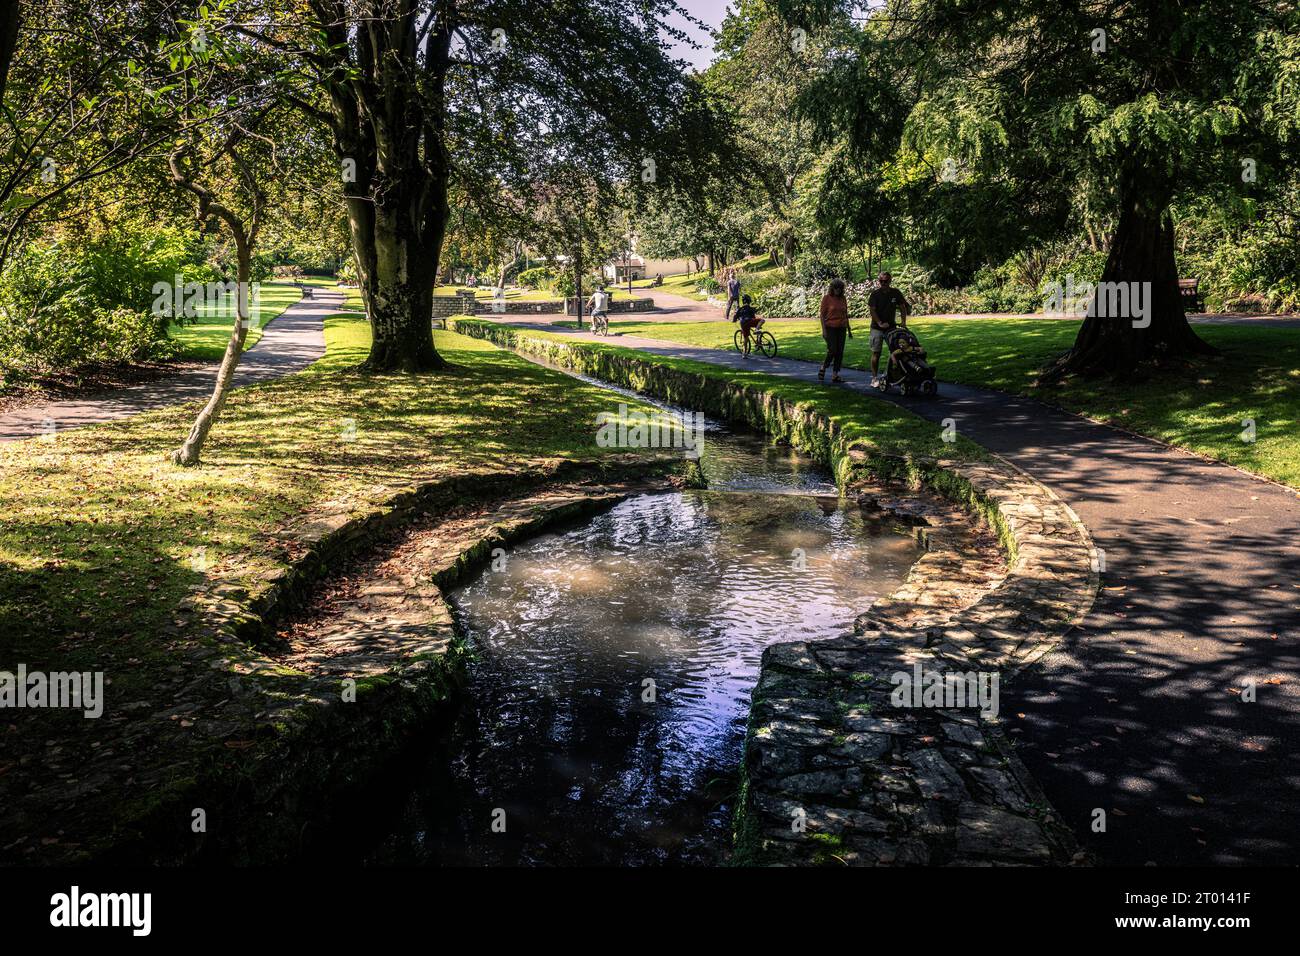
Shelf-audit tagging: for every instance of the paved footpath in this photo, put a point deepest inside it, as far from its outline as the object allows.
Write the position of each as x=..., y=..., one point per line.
x=1139, y=712
x=291, y=342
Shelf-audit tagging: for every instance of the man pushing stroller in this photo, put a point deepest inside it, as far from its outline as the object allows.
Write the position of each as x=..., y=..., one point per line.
x=889, y=310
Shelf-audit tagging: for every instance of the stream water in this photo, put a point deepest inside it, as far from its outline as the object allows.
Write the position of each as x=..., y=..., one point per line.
x=613, y=662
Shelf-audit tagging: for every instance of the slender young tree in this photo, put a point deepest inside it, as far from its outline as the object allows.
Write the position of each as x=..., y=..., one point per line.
x=220, y=157
x=199, y=176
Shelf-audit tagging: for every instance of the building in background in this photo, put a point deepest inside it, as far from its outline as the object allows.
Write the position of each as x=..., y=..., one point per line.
x=616, y=270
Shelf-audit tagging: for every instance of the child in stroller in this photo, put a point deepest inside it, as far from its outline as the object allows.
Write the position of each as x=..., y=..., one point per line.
x=908, y=368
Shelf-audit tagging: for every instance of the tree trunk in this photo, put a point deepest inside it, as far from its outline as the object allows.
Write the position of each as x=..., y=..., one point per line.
x=577, y=291
x=189, y=452
x=10, y=20
x=388, y=119
x=397, y=269
x=1140, y=264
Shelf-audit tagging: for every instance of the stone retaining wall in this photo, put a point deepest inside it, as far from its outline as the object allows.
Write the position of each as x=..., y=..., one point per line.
x=616, y=306
x=834, y=772
x=465, y=303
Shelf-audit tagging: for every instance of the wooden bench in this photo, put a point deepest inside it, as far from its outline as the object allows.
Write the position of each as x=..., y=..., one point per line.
x=1190, y=289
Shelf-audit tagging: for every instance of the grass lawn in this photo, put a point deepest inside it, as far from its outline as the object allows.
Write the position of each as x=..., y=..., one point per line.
x=1202, y=407
x=689, y=285
x=102, y=538
x=205, y=339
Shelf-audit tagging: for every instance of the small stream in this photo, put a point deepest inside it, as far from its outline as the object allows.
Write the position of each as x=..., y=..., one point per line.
x=613, y=662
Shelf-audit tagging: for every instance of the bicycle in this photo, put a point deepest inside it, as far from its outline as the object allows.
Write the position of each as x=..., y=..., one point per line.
x=762, y=341
x=599, y=323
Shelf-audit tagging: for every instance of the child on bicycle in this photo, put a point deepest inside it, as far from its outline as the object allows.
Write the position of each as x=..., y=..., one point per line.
x=748, y=318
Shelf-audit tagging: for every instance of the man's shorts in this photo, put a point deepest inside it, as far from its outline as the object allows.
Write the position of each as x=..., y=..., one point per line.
x=878, y=338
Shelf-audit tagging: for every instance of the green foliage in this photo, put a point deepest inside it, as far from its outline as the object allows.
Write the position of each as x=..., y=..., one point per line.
x=539, y=277
x=65, y=304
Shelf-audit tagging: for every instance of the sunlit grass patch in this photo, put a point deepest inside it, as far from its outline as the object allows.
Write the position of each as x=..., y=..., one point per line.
x=102, y=538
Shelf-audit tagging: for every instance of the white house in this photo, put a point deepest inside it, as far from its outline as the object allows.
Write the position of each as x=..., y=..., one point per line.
x=616, y=270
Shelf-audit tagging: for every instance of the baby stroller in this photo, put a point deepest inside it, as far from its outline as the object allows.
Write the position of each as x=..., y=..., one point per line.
x=908, y=368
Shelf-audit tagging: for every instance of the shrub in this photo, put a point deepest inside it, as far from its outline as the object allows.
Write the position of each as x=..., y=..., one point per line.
x=66, y=304
x=539, y=277
x=818, y=266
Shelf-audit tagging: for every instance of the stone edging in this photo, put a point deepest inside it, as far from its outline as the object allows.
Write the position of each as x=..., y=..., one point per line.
x=833, y=771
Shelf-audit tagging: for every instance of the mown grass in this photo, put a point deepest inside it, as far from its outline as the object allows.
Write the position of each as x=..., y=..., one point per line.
x=688, y=285
x=102, y=538
x=1201, y=406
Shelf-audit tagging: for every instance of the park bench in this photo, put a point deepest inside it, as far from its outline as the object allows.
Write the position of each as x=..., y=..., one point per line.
x=1190, y=289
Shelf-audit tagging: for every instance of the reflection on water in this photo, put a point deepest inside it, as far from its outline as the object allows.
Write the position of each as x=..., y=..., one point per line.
x=614, y=663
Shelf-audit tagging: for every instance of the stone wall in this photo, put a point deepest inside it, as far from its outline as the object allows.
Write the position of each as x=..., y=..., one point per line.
x=465, y=303
x=834, y=772
x=616, y=306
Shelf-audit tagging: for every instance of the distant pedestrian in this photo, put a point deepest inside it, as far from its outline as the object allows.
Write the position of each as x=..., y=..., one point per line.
x=733, y=291
x=834, y=314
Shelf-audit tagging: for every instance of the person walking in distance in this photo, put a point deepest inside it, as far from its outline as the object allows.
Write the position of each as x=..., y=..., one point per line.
x=733, y=291
x=834, y=314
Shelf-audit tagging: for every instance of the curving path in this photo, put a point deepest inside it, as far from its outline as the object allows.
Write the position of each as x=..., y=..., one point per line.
x=1138, y=712
x=291, y=342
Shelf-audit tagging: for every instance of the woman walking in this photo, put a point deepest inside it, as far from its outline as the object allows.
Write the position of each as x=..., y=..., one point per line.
x=835, y=328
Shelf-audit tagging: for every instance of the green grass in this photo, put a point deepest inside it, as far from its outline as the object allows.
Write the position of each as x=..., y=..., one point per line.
x=1200, y=407
x=751, y=269
x=101, y=537
x=205, y=339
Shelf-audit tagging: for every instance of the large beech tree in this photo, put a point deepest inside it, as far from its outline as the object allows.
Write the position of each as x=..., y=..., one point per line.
x=1033, y=107
x=425, y=95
